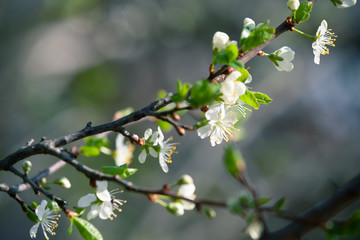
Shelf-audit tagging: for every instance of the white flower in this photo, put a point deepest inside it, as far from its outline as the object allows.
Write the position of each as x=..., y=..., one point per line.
x=323, y=37
x=187, y=190
x=345, y=3
x=47, y=219
x=248, y=26
x=166, y=150
x=220, y=125
x=102, y=202
x=147, y=150
x=254, y=229
x=231, y=88
x=221, y=40
x=293, y=5
x=124, y=151
x=282, y=59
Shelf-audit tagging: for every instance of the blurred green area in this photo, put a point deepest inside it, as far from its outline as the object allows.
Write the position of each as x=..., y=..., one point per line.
x=65, y=63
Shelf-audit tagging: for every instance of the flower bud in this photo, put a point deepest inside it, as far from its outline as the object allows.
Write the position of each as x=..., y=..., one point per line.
x=248, y=22
x=26, y=167
x=293, y=5
x=175, y=208
x=220, y=40
x=209, y=212
x=63, y=182
x=185, y=179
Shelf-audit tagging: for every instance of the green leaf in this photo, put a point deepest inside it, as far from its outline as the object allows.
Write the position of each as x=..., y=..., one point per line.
x=182, y=91
x=161, y=93
x=262, y=201
x=303, y=12
x=244, y=75
x=71, y=227
x=234, y=161
x=257, y=37
x=262, y=98
x=279, y=204
x=227, y=55
x=86, y=229
x=31, y=215
x=250, y=99
x=90, y=151
x=123, y=171
x=236, y=64
x=336, y=2
x=241, y=204
x=53, y=206
x=203, y=92
x=165, y=126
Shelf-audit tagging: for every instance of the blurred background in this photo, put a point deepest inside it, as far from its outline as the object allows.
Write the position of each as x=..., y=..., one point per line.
x=66, y=62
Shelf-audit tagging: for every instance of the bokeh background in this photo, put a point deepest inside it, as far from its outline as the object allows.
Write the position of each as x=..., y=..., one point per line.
x=66, y=62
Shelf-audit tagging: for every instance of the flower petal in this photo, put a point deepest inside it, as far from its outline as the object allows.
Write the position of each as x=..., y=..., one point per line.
x=153, y=152
x=162, y=162
x=86, y=201
x=41, y=209
x=94, y=211
x=204, y=131
x=142, y=156
x=33, y=230
x=148, y=133
x=106, y=210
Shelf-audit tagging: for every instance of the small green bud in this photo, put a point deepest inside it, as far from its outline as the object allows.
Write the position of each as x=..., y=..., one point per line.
x=63, y=182
x=185, y=179
x=234, y=161
x=27, y=167
x=293, y=5
x=209, y=212
x=175, y=208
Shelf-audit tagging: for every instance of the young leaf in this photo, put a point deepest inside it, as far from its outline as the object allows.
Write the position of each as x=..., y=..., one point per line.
x=71, y=227
x=123, y=171
x=278, y=205
x=303, y=12
x=86, y=229
x=203, y=92
x=262, y=201
x=90, y=151
x=227, y=55
x=250, y=99
x=244, y=75
x=236, y=64
x=182, y=91
x=234, y=161
x=262, y=98
x=257, y=37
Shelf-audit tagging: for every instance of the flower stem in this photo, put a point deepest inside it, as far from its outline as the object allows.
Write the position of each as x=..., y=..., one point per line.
x=304, y=34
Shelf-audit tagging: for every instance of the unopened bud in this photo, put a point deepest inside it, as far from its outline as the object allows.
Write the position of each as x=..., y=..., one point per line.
x=260, y=53
x=176, y=117
x=209, y=212
x=153, y=197
x=204, y=108
x=166, y=188
x=181, y=131
x=175, y=208
x=293, y=5
x=27, y=167
x=185, y=179
x=63, y=182
x=234, y=161
x=141, y=141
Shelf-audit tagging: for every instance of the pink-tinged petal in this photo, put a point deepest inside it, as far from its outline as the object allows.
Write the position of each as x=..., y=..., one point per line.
x=86, y=201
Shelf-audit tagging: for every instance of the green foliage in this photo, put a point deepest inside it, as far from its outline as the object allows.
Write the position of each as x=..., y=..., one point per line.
x=241, y=204
x=262, y=201
x=261, y=34
x=234, y=161
x=182, y=92
x=227, y=55
x=93, y=145
x=279, y=204
x=54, y=206
x=203, y=92
x=244, y=75
x=350, y=228
x=336, y=2
x=31, y=215
x=86, y=229
x=123, y=171
x=165, y=126
x=254, y=99
x=303, y=12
